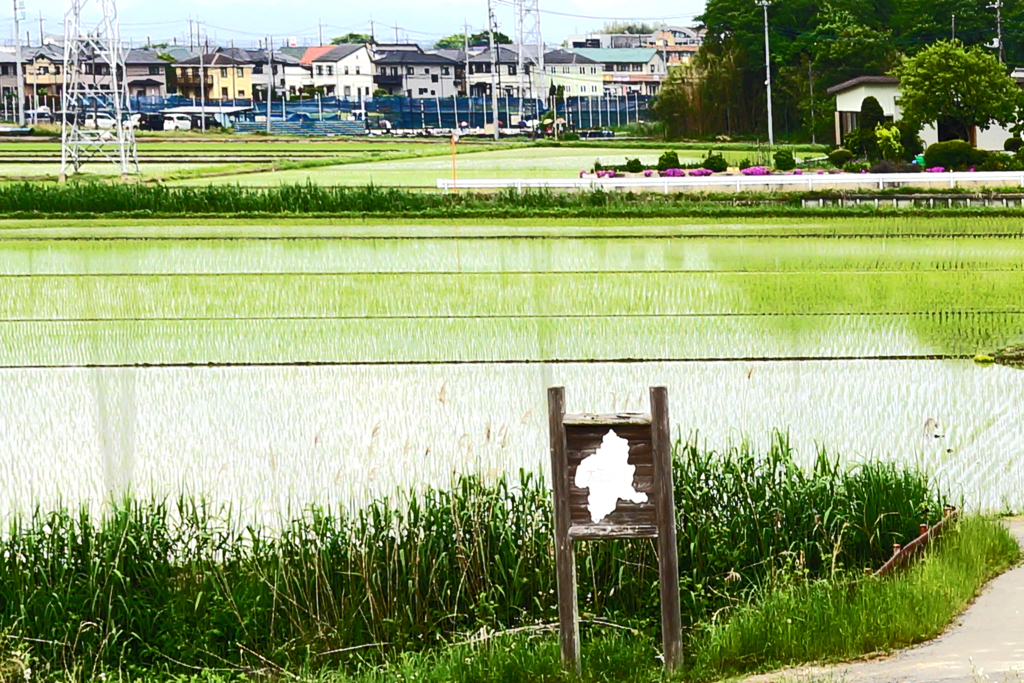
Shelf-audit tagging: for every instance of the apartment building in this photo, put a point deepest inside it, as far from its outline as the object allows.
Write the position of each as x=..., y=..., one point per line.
x=215, y=76
x=414, y=73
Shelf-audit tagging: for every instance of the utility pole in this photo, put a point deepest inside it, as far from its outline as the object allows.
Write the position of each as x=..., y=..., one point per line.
x=810, y=80
x=494, y=67
x=396, y=34
x=40, y=29
x=465, y=40
x=202, y=82
x=320, y=27
x=768, y=71
x=270, y=80
x=19, y=14
x=372, y=37
x=998, y=5
x=953, y=20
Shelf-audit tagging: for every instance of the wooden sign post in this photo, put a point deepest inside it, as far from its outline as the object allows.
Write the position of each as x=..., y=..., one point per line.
x=612, y=477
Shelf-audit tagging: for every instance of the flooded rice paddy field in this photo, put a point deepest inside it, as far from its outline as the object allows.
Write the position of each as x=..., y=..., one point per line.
x=276, y=372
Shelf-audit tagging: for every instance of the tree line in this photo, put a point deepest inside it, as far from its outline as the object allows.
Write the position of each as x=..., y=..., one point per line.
x=815, y=44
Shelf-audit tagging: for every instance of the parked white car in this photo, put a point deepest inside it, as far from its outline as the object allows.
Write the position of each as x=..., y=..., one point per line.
x=100, y=120
x=177, y=122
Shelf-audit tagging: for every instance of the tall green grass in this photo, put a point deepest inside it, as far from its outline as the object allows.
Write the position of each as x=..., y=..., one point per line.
x=175, y=586
x=104, y=199
x=813, y=620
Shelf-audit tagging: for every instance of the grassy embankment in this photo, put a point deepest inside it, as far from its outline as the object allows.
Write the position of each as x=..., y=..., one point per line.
x=459, y=584
x=27, y=200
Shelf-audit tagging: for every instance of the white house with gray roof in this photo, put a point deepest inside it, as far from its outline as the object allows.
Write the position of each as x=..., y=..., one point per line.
x=345, y=71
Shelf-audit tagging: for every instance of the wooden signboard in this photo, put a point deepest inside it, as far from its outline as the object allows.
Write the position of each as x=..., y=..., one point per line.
x=612, y=477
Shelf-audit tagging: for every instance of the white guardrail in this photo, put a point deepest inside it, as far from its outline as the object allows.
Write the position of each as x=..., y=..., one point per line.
x=807, y=181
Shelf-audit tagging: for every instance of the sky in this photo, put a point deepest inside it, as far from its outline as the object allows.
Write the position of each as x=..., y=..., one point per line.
x=247, y=21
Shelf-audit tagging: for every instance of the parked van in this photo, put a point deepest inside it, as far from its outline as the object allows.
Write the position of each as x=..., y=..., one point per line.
x=177, y=122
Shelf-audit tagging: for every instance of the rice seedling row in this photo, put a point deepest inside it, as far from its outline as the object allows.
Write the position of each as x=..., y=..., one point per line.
x=282, y=296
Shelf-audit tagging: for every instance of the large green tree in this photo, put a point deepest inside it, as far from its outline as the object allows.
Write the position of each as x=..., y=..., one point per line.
x=457, y=41
x=354, y=38
x=967, y=85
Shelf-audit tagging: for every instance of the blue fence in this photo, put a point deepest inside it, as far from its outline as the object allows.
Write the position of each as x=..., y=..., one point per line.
x=412, y=113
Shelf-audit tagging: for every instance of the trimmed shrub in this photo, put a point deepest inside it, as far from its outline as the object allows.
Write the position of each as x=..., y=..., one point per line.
x=955, y=155
x=840, y=157
x=715, y=162
x=871, y=114
x=784, y=160
x=996, y=161
x=746, y=163
x=1013, y=145
x=634, y=166
x=855, y=167
x=910, y=139
x=668, y=160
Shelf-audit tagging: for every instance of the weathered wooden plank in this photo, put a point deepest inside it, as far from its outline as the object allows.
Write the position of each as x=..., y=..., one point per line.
x=668, y=554
x=565, y=560
x=613, y=420
x=596, y=531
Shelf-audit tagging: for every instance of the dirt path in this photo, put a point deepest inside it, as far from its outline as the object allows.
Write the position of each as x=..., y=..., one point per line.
x=986, y=644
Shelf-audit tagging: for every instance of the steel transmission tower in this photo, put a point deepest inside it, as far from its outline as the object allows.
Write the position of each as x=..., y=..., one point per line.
x=528, y=35
x=95, y=96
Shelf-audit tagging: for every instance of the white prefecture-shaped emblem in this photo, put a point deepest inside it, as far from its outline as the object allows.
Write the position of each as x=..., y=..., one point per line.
x=608, y=476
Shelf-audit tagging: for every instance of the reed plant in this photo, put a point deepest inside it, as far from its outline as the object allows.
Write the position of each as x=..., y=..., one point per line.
x=90, y=199
x=175, y=586
x=853, y=615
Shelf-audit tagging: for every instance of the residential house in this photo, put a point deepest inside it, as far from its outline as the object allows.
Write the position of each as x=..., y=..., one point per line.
x=44, y=77
x=628, y=71
x=577, y=75
x=215, y=76
x=8, y=85
x=146, y=74
x=507, y=80
x=411, y=72
x=287, y=73
x=678, y=44
x=344, y=71
x=609, y=41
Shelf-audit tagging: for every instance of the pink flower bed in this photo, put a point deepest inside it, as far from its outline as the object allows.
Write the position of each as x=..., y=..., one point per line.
x=673, y=173
x=701, y=172
x=756, y=170
x=935, y=169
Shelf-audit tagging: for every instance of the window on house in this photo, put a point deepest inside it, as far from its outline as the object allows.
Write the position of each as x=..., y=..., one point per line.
x=652, y=68
x=223, y=72
x=223, y=92
x=583, y=69
x=346, y=71
x=511, y=69
x=319, y=70
x=241, y=94
x=593, y=88
x=593, y=69
x=568, y=88
x=330, y=70
x=423, y=91
x=43, y=70
x=551, y=69
x=410, y=71
x=432, y=92
x=394, y=71
x=640, y=67
x=426, y=71
x=446, y=71
x=155, y=70
x=5, y=71
x=257, y=70
x=240, y=72
x=348, y=91
x=357, y=69
x=433, y=78
x=565, y=69
x=383, y=71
